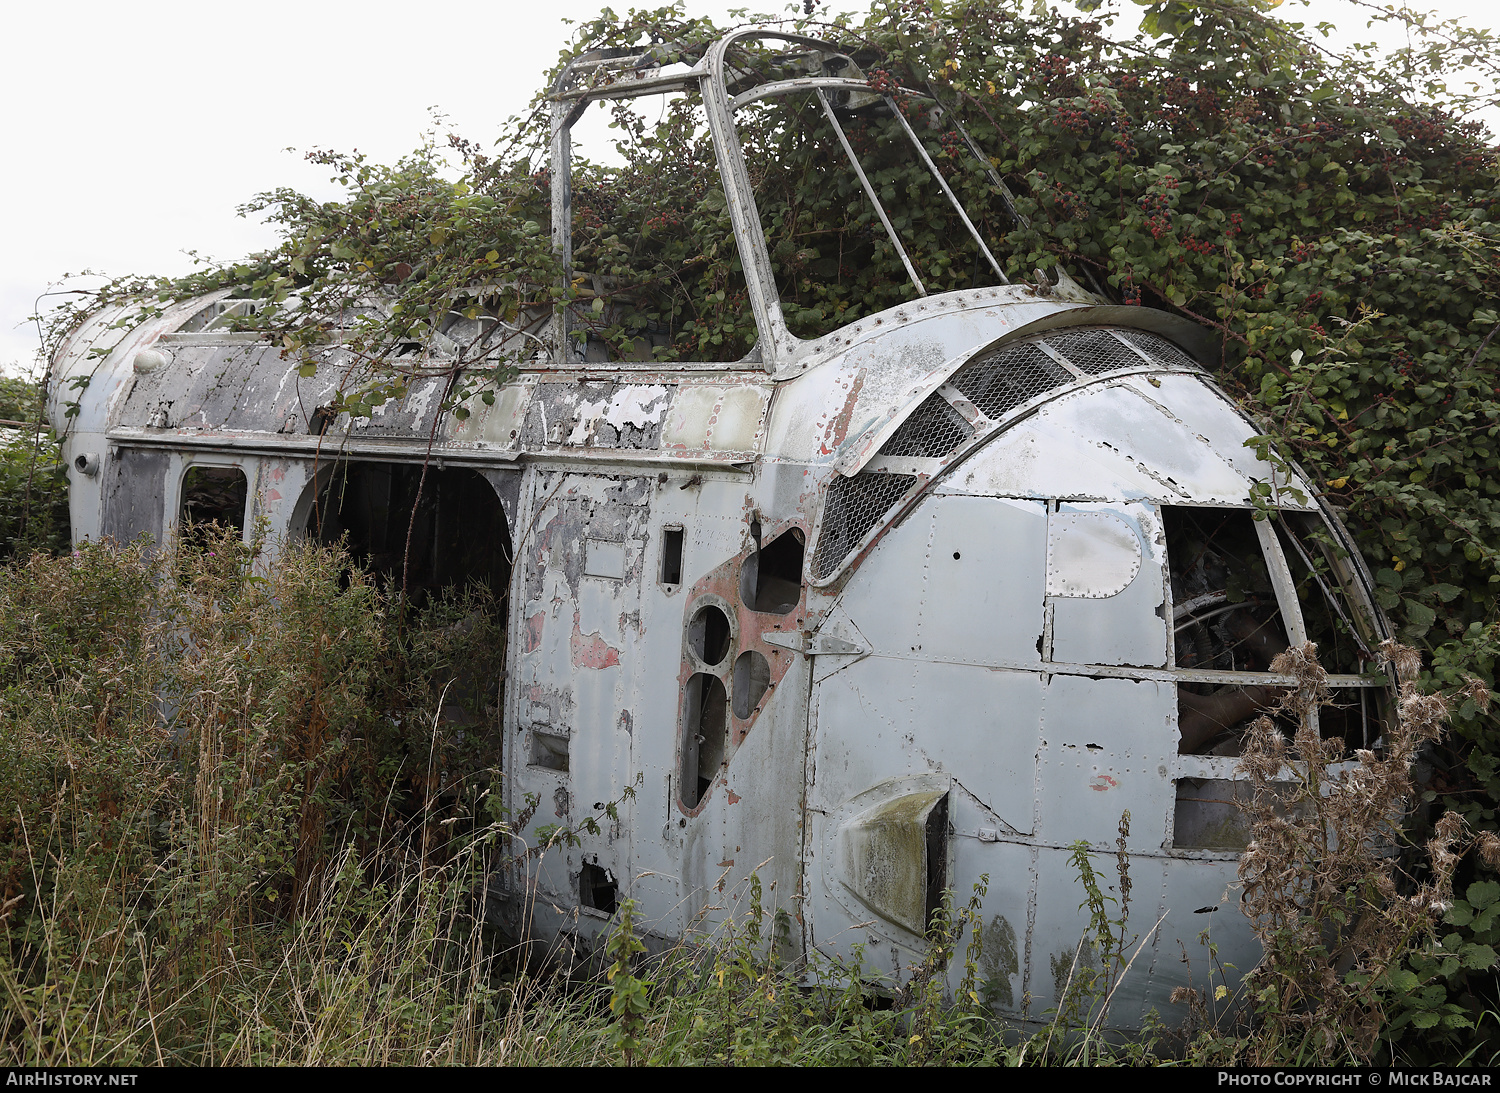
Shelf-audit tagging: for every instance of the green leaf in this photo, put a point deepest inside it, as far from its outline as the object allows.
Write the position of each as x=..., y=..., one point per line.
x=1477, y=957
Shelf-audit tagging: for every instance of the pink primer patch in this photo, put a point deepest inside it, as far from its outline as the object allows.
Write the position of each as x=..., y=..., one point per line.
x=534, y=630
x=590, y=650
x=1102, y=783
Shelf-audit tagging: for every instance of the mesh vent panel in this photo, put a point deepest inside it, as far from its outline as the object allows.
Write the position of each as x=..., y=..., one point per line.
x=1159, y=349
x=1093, y=351
x=999, y=383
x=854, y=506
x=933, y=430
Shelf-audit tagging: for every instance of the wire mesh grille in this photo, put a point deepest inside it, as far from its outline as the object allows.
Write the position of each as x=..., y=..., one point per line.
x=854, y=506
x=933, y=430
x=1093, y=350
x=1159, y=349
x=996, y=384
x=1002, y=381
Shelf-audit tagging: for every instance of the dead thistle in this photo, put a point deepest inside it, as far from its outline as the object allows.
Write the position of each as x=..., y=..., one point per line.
x=1321, y=883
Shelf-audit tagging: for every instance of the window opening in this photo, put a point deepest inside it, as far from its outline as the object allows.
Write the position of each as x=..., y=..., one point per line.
x=671, y=556
x=933, y=430
x=1225, y=618
x=771, y=578
x=213, y=496
x=1333, y=624
x=457, y=565
x=752, y=676
x=704, y=720
x=1208, y=813
x=894, y=225
x=662, y=294
x=1342, y=630
x=709, y=634
x=597, y=888
x=851, y=511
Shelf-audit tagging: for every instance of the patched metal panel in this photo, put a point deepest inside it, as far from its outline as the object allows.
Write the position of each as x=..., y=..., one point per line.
x=1008, y=871
x=135, y=497
x=573, y=673
x=1110, y=441
x=716, y=417
x=1162, y=448
x=414, y=414
x=1036, y=458
x=1090, y=555
x=1056, y=925
x=492, y=425
x=596, y=414
x=960, y=579
x=1117, y=625
x=1200, y=408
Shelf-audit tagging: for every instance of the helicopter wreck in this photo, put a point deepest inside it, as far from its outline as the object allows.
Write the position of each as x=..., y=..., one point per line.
x=872, y=615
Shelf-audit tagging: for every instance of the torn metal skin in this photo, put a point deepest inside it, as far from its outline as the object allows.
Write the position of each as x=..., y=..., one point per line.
x=871, y=615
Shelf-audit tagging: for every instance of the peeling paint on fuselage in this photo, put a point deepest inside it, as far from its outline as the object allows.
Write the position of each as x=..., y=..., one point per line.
x=975, y=627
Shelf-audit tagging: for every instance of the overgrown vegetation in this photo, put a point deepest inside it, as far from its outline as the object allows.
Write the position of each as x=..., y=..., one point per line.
x=243, y=831
x=33, y=481
x=234, y=841
x=251, y=824
x=218, y=782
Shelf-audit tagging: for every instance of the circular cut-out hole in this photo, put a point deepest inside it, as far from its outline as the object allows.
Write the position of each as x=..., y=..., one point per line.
x=752, y=675
x=708, y=634
x=955, y=555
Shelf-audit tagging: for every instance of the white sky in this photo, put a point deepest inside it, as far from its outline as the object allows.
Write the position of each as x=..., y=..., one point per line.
x=133, y=130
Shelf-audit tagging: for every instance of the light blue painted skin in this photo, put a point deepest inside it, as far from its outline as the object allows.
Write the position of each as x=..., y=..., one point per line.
x=969, y=663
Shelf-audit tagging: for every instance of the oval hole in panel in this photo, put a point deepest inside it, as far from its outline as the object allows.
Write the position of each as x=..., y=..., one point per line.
x=752, y=675
x=703, y=737
x=708, y=634
x=1091, y=555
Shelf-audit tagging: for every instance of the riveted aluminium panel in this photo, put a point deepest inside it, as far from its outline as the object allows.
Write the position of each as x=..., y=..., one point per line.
x=960, y=580
x=1109, y=441
x=1007, y=870
x=1107, y=746
x=1090, y=555
x=1130, y=626
x=1198, y=903
x=1194, y=402
x=886, y=717
x=135, y=496
x=982, y=596
x=1039, y=459
x=1166, y=449
x=1056, y=926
